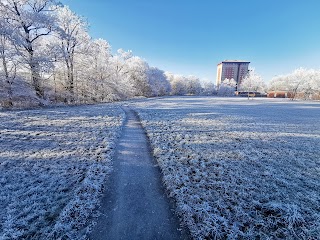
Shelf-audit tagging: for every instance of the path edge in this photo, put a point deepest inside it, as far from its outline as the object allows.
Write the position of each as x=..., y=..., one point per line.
x=185, y=231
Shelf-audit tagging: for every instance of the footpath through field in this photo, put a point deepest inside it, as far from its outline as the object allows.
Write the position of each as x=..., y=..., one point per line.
x=134, y=205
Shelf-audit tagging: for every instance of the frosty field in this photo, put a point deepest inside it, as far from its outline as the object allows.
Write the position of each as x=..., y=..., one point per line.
x=53, y=163
x=239, y=169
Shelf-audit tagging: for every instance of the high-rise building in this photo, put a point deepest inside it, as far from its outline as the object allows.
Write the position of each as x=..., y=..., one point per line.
x=235, y=69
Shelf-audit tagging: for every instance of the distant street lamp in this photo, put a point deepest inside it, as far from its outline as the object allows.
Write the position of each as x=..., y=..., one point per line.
x=249, y=70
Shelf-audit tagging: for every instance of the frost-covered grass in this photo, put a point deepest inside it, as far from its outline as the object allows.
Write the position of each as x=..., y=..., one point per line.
x=53, y=163
x=239, y=169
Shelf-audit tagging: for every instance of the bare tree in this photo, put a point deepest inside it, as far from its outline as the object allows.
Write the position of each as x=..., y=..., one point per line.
x=73, y=39
x=252, y=83
x=8, y=57
x=31, y=20
x=9, y=72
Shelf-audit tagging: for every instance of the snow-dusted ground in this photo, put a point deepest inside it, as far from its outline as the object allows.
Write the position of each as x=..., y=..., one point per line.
x=237, y=168
x=53, y=163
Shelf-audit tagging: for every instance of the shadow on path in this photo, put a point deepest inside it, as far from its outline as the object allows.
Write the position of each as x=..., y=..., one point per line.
x=134, y=205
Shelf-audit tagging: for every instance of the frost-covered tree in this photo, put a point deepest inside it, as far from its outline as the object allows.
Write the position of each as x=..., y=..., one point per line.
x=227, y=87
x=192, y=85
x=277, y=83
x=252, y=82
x=181, y=85
x=119, y=74
x=8, y=64
x=130, y=73
x=296, y=81
x=97, y=69
x=177, y=83
x=73, y=38
x=137, y=76
x=311, y=84
x=30, y=20
x=303, y=81
x=208, y=88
x=158, y=82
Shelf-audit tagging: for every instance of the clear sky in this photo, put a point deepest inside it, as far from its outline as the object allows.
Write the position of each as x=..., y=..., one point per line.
x=192, y=37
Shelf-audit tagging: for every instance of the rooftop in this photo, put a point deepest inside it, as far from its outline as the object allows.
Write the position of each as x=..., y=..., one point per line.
x=234, y=61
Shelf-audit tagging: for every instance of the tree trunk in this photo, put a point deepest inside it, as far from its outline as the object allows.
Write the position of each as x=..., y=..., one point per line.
x=55, y=86
x=8, y=82
x=71, y=81
x=70, y=77
x=35, y=75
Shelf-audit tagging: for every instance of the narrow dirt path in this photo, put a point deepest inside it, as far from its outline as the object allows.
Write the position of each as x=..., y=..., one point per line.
x=135, y=205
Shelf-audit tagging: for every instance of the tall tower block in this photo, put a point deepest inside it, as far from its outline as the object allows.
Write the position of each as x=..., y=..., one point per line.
x=235, y=69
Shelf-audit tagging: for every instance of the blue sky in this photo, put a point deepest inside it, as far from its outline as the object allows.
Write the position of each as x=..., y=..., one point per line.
x=192, y=37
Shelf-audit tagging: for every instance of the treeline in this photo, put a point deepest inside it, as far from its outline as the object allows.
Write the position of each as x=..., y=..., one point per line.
x=48, y=56
x=300, y=84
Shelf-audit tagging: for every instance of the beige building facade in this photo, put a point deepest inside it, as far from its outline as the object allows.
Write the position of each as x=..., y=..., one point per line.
x=235, y=69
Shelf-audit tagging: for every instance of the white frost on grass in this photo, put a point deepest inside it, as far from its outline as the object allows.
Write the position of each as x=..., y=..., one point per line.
x=53, y=163
x=239, y=169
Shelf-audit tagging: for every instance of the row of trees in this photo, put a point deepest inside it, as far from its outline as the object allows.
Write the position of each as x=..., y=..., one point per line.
x=189, y=85
x=301, y=83
x=47, y=55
